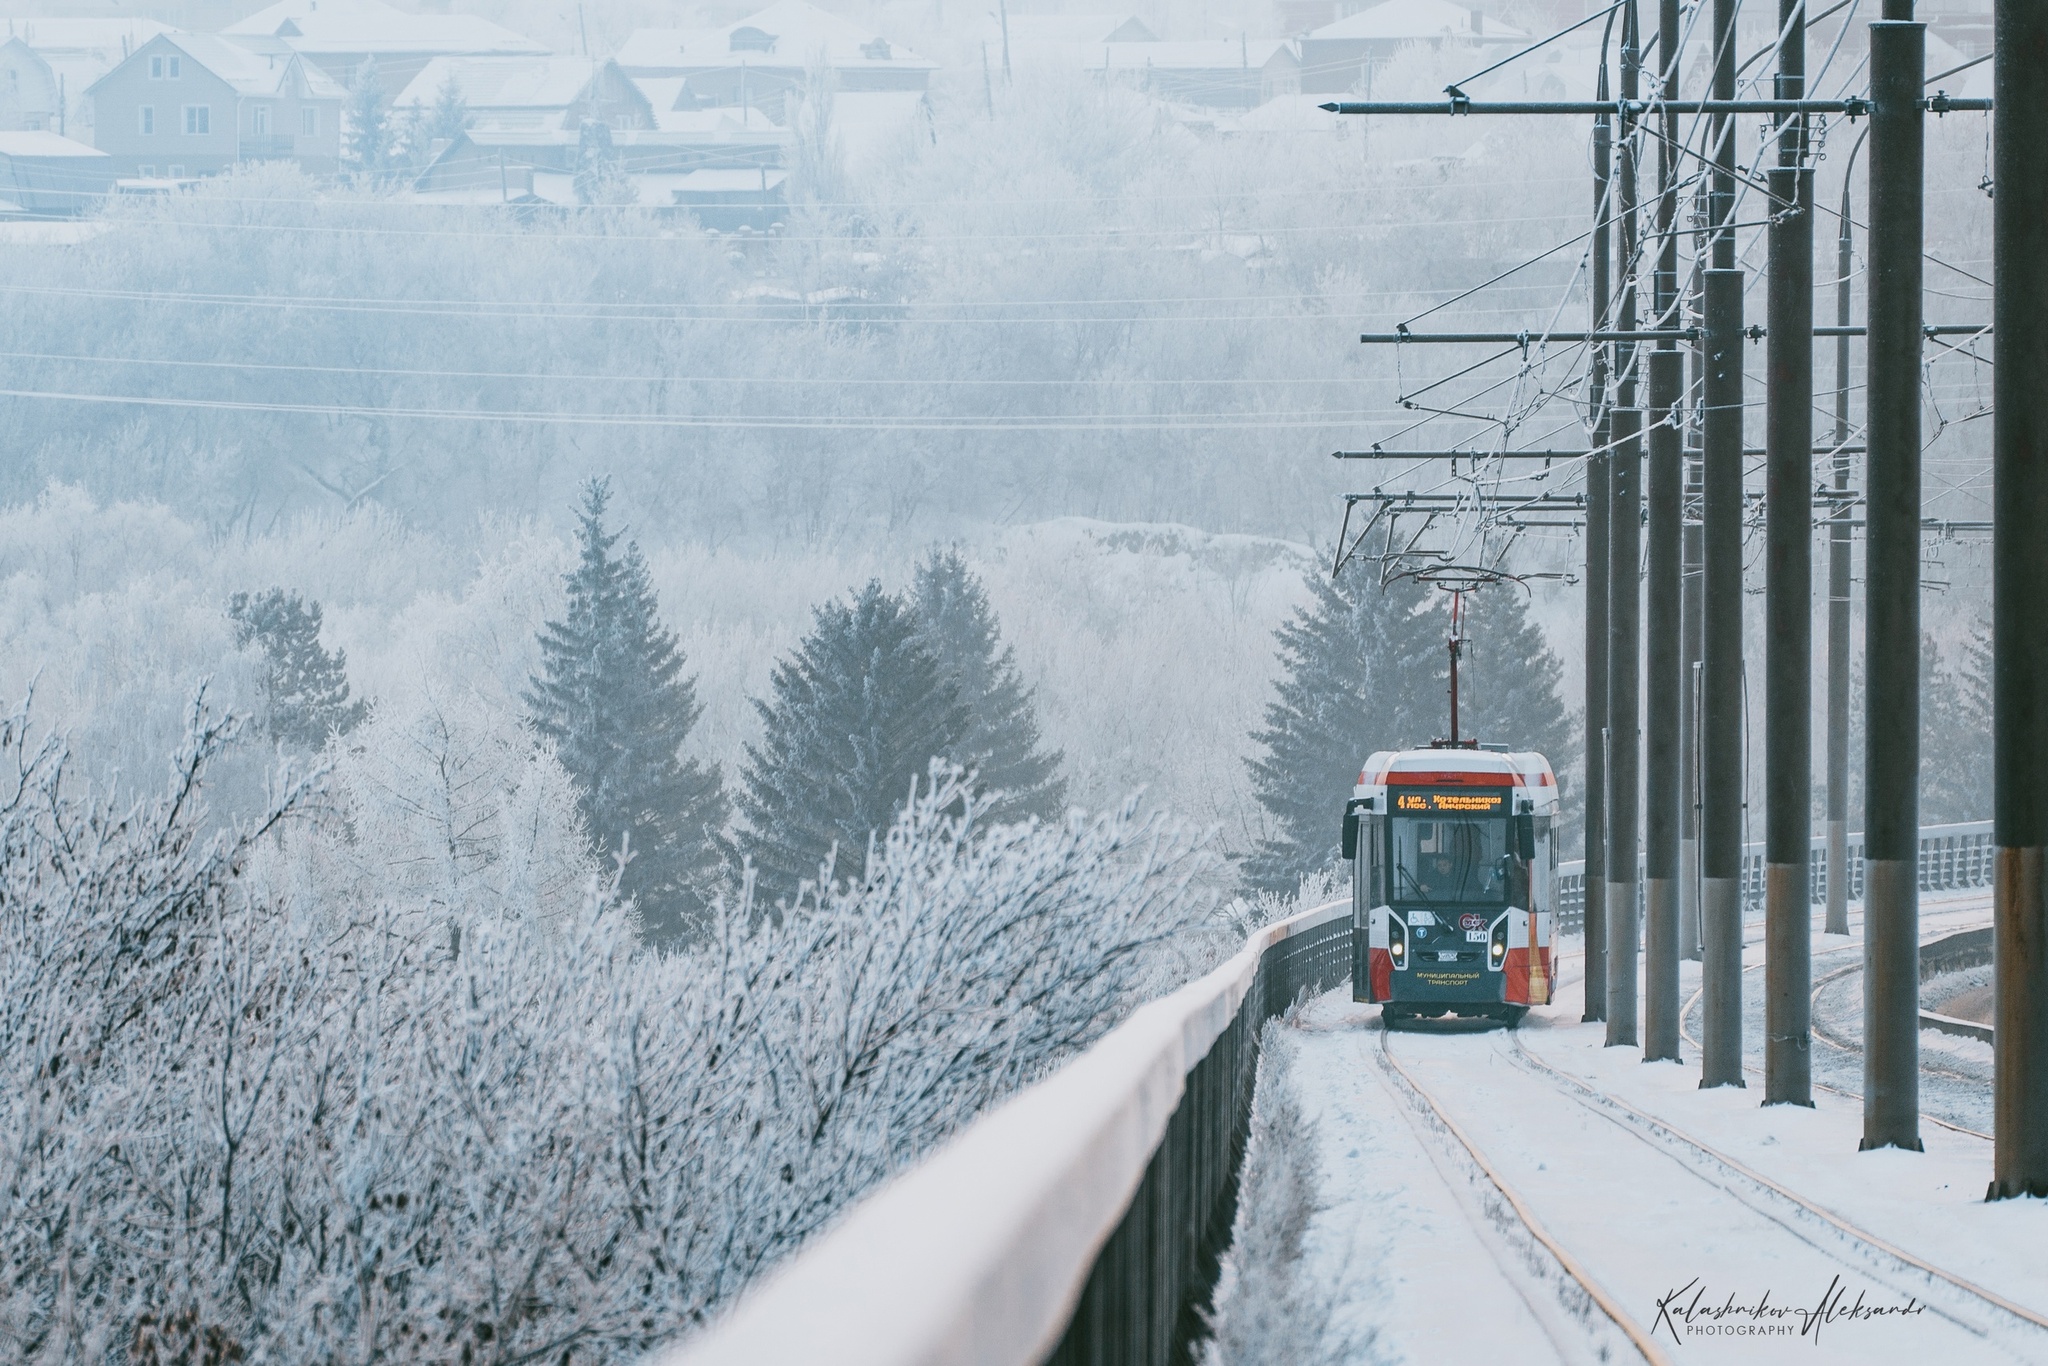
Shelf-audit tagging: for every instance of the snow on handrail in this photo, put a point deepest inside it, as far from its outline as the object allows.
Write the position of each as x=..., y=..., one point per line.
x=979, y=1253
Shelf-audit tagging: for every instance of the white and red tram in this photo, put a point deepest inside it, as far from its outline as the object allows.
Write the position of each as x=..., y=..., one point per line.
x=1454, y=883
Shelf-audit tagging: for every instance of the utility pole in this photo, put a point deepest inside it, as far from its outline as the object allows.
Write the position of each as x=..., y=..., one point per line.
x=2019, y=312
x=1663, y=795
x=1788, y=607
x=1838, y=583
x=1624, y=596
x=1721, y=626
x=1891, y=616
x=1598, y=531
x=1692, y=602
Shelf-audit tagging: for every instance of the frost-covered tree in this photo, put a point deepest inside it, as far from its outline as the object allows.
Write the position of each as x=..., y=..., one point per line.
x=1362, y=668
x=365, y=121
x=1018, y=777
x=601, y=177
x=1510, y=681
x=855, y=716
x=1955, y=730
x=612, y=697
x=305, y=686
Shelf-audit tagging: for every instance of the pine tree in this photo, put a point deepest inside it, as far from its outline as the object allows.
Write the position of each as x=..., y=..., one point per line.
x=612, y=697
x=1509, y=680
x=365, y=118
x=451, y=117
x=305, y=687
x=1362, y=669
x=857, y=714
x=959, y=627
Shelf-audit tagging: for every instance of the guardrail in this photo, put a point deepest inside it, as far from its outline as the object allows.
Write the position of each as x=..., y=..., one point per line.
x=1969, y=949
x=1080, y=1222
x=1951, y=856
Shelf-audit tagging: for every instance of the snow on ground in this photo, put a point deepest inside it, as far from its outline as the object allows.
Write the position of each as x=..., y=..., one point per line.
x=1646, y=1213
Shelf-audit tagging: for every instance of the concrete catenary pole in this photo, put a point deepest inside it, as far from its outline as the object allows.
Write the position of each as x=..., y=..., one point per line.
x=1891, y=614
x=1624, y=591
x=1788, y=603
x=1721, y=628
x=1838, y=581
x=1692, y=601
x=2019, y=312
x=1662, y=793
x=1597, y=491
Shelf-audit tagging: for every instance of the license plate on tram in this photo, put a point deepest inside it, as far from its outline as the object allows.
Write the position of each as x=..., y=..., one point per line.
x=1450, y=957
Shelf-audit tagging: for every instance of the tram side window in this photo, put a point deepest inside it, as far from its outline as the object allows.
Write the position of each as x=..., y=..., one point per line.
x=1373, y=851
x=1456, y=859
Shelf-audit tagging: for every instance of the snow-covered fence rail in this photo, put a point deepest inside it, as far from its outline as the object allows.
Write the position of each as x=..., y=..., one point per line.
x=1079, y=1223
x=1951, y=856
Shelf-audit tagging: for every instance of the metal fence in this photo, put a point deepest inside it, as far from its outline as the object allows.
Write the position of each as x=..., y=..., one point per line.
x=1081, y=1222
x=1951, y=857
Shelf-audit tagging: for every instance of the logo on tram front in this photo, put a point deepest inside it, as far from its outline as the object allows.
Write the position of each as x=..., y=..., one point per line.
x=1472, y=922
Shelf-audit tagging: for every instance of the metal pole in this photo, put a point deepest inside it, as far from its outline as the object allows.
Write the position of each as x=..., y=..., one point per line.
x=1838, y=586
x=1891, y=616
x=2020, y=586
x=1662, y=794
x=1788, y=604
x=1689, y=648
x=1597, y=529
x=1721, y=629
x=1624, y=600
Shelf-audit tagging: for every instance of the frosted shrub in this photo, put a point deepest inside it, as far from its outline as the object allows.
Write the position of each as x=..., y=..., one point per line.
x=244, y=1123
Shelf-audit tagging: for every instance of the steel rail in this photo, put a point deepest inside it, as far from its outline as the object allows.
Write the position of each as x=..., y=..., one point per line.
x=1755, y=332
x=1821, y=1212
x=1634, y=1331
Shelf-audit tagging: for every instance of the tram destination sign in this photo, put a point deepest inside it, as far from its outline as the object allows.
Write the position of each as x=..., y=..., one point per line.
x=1465, y=803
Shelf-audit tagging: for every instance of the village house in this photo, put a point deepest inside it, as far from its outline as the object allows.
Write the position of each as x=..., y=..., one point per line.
x=338, y=36
x=530, y=94
x=1340, y=58
x=1220, y=73
x=47, y=65
x=759, y=62
x=194, y=105
x=43, y=175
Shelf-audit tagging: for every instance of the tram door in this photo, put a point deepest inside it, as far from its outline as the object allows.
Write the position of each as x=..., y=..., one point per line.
x=1363, y=844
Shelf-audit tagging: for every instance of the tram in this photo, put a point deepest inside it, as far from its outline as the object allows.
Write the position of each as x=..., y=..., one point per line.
x=1454, y=882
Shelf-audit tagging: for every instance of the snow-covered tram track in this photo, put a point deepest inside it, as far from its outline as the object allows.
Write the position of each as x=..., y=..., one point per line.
x=1613, y=1210
x=1772, y=1199
x=1561, y=1259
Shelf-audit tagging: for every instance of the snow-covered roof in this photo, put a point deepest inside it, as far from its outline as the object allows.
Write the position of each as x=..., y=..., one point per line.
x=788, y=33
x=1416, y=21
x=663, y=49
x=254, y=67
x=503, y=82
x=1289, y=114
x=1214, y=54
x=665, y=93
x=1074, y=28
x=44, y=145
x=111, y=39
x=369, y=26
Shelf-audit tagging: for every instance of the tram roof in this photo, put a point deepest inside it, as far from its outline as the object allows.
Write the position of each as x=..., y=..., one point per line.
x=1457, y=768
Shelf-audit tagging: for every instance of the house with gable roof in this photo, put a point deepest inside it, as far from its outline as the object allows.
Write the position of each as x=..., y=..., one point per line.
x=525, y=94
x=188, y=104
x=338, y=36
x=757, y=63
x=1340, y=57
x=47, y=65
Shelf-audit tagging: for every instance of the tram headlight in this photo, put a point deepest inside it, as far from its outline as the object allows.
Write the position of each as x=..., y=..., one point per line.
x=1397, y=940
x=1497, y=945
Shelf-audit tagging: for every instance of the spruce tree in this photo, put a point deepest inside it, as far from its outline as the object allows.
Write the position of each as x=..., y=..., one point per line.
x=451, y=118
x=1510, y=679
x=1363, y=668
x=612, y=697
x=1955, y=731
x=366, y=120
x=855, y=717
x=305, y=687
x=1002, y=741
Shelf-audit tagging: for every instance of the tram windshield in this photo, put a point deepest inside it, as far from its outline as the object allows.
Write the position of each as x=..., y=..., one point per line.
x=1450, y=848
